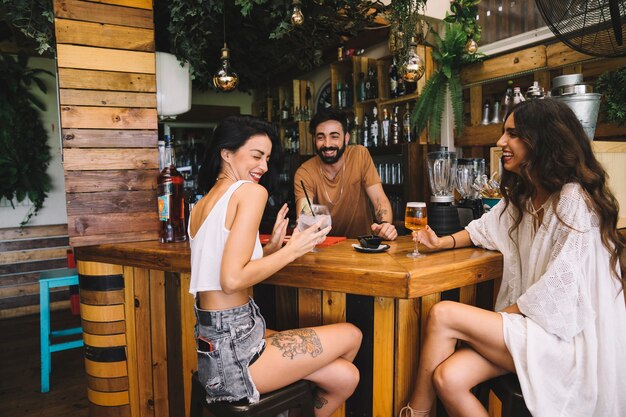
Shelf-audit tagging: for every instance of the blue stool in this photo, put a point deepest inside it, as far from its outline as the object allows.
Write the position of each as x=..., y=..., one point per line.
x=52, y=279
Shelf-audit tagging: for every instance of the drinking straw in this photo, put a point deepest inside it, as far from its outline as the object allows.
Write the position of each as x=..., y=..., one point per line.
x=308, y=200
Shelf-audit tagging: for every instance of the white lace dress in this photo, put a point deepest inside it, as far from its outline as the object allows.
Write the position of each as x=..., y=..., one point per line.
x=570, y=348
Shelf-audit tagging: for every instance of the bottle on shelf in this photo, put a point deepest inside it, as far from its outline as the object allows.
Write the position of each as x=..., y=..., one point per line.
x=348, y=92
x=374, y=83
x=393, y=79
x=284, y=112
x=496, y=113
x=362, y=90
x=535, y=91
x=366, y=131
x=368, y=84
x=518, y=97
x=171, y=197
x=354, y=131
x=485, y=120
x=339, y=95
x=401, y=86
x=406, y=124
x=374, y=138
x=385, y=123
x=507, y=100
x=395, y=127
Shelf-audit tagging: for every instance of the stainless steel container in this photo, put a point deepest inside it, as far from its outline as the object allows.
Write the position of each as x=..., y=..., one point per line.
x=571, y=90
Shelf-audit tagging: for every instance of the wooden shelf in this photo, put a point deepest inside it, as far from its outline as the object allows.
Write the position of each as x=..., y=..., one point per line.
x=399, y=100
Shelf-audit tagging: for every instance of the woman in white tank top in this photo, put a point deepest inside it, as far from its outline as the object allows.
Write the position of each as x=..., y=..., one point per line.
x=237, y=357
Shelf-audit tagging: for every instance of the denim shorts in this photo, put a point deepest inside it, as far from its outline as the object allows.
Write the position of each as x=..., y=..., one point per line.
x=228, y=342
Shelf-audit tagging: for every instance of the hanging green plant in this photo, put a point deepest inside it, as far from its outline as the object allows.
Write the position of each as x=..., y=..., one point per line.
x=450, y=53
x=612, y=85
x=24, y=150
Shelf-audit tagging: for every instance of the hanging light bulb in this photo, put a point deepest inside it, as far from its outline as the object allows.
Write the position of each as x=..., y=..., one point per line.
x=297, y=18
x=471, y=46
x=225, y=79
x=413, y=68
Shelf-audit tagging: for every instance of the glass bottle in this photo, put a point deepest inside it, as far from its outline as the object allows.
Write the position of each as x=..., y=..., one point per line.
x=366, y=130
x=362, y=87
x=406, y=124
x=284, y=113
x=171, y=198
x=395, y=127
x=374, y=128
x=368, y=84
x=507, y=100
x=393, y=79
x=385, y=138
x=348, y=93
x=339, y=95
x=518, y=97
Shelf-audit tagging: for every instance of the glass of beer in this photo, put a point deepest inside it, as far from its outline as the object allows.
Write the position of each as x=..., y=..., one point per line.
x=415, y=219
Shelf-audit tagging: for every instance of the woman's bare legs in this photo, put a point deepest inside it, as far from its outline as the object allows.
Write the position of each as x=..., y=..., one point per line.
x=447, y=323
x=322, y=354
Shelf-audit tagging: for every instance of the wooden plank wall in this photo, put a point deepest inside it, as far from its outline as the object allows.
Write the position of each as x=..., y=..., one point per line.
x=24, y=253
x=107, y=81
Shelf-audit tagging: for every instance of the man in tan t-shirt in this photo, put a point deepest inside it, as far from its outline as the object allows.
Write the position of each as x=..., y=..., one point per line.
x=343, y=178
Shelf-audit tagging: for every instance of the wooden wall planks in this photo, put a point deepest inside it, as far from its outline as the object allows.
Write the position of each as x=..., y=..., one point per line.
x=106, y=73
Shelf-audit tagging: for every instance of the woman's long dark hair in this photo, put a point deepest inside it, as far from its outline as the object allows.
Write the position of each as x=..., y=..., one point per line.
x=559, y=152
x=231, y=134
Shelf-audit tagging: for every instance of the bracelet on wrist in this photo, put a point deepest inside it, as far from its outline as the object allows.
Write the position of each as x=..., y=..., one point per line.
x=453, y=242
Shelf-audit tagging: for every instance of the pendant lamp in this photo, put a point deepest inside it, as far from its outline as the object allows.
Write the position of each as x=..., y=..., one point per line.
x=297, y=18
x=225, y=79
x=413, y=68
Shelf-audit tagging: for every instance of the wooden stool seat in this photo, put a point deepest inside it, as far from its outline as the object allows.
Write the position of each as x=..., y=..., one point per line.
x=297, y=395
x=509, y=392
x=52, y=279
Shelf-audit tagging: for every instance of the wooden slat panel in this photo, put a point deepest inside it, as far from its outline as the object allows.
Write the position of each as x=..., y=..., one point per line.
x=103, y=35
x=108, y=384
x=131, y=339
x=142, y=4
x=286, y=308
x=383, y=360
x=33, y=266
x=479, y=135
x=468, y=295
x=334, y=311
x=99, y=159
x=595, y=68
x=558, y=54
x=32, y=255
x=102, y=297
x=106, y=98
x=108, y=399
x=95, y=327
x=158, y=342
x=105, y=138
x=428, y=302
x=106, y=80
x=104, y=340
x=111, y=202
x=309, y=307
x=24, y=244
x=102, y=313
x=476, y=105
x=524, y=60
x=108, y=118
x=105, y=369
x=97, y=268
x=111, y=223
x=189, y=355
x=102, y=13
x=144, y=345
x=86, y=57
x=407, y=347
x=149, y=235
x=99, y=181
x=33, y=231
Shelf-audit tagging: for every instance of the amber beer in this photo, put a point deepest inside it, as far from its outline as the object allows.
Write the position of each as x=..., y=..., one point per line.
x=415, y=219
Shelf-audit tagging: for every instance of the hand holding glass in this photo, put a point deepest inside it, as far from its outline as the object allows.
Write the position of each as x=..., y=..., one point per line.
x=309, y=218
x=415, y=219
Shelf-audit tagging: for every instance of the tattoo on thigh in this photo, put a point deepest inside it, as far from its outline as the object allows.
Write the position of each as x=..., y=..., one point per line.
x=297, y=342
x=319, y=402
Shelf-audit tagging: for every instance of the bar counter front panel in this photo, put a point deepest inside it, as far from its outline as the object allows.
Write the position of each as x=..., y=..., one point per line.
x=138, y=317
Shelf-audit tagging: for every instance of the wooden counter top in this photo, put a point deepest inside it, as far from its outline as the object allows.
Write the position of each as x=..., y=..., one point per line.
x=335, y=268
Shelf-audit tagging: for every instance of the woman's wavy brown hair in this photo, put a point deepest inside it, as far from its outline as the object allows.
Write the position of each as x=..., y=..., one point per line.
x=559, y=152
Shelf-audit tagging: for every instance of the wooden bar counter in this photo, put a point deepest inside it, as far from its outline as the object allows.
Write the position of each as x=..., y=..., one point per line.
x=138, y=316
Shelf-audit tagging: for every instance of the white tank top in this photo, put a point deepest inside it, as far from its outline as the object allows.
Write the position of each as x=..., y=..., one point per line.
x=207, y=246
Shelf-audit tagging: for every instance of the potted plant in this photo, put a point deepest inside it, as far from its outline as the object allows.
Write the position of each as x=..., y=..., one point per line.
x=24, y=150
x=451, y=52
x=612, y=85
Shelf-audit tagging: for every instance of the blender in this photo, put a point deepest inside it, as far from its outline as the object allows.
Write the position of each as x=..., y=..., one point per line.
x=443, y=216
x=469, y=171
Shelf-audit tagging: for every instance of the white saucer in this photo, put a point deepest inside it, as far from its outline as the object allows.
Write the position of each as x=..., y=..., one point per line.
x=380, y=248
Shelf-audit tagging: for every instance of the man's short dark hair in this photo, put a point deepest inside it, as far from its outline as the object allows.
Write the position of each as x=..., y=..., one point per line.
x=329, y=113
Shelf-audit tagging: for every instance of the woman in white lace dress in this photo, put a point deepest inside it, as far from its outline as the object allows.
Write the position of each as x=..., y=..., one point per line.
x=561, y=321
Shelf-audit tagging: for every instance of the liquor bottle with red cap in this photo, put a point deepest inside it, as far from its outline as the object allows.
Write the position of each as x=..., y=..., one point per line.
x=171, y=197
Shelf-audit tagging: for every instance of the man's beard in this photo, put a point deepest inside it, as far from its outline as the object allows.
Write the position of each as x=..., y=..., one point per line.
x=332, y=159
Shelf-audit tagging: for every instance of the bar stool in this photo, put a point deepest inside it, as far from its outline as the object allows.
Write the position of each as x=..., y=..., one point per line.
x=47, y=280
x=297, y=395
x=509, y=392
